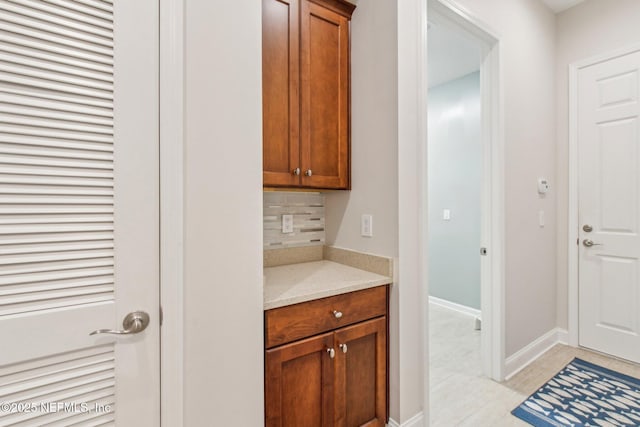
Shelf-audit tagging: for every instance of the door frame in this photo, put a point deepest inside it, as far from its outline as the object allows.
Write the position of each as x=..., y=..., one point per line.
x=451, y=14
x=573, y=252
x=172, y=56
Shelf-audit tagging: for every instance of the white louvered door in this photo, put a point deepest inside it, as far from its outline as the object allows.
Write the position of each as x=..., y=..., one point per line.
x=79, y=221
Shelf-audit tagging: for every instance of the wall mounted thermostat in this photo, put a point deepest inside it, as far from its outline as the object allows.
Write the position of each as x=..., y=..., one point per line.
x=543, y=185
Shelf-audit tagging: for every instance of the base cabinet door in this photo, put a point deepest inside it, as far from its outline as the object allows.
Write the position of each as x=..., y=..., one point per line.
x=361, y=380
x=299, y=383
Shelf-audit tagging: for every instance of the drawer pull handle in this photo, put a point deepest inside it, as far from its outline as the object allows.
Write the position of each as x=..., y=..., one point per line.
x=337, y=314
x=343, y=347
x=332, y=352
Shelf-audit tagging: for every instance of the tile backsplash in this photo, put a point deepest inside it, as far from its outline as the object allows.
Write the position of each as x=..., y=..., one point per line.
x=308, y=219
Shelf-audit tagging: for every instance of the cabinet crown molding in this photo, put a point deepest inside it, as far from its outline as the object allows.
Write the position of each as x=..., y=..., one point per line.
x=342, y=7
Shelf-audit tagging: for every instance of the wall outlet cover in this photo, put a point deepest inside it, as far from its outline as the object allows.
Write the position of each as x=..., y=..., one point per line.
x=366, y=226
x=287, y=223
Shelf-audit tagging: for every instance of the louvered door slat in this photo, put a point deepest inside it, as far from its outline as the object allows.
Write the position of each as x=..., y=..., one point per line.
x=21, y=150
x=34, y=209
x=84, y=111
x=48, y=387
x=54, y=81
x=40, y=238
x=34, y=36
x=71, y=13
x=53, y=47
x=49, y=376
x=52, y=276
x=55, y=285
x=53, y=219
x=55, y=24
x=36, y=141
x=97, y=9
x=100, y=5
x=31, y=52
x=53, y=133
x=64, y=98
x=13, y=110
x=20, y=58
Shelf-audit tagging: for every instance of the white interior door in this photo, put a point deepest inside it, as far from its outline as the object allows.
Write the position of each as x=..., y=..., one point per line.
x=609, y=206
x=78, y=211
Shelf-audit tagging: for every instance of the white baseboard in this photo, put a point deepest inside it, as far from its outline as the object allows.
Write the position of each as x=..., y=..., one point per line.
x=563, y=336
x=415, y=421
x=455, y=307
x=531, y=352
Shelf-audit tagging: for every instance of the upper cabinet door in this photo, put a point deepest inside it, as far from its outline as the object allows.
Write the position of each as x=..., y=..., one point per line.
x=324, y=78
x=281, y=92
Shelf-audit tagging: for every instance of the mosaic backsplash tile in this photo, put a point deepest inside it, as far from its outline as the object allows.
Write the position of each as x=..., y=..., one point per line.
x=308, y=219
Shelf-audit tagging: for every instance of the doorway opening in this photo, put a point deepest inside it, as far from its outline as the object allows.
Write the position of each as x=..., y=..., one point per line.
x=465, y=198
x=454, y=201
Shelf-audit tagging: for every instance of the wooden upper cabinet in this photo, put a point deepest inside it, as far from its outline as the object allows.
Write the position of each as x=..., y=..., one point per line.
x=306, y=117
x=280, y=92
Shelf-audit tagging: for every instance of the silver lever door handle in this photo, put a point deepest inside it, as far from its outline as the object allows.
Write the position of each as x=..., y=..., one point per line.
x=133, y=323
x=588, y=243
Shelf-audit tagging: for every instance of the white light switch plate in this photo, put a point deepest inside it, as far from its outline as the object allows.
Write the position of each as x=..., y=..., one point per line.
x=446, y=215
x=366, y=226
x=287, y=223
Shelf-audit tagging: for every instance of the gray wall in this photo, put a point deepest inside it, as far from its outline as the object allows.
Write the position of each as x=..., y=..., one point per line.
x=455, y=173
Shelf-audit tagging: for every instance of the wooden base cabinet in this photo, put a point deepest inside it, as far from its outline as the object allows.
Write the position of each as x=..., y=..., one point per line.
x=337, y=378
x=360, y=369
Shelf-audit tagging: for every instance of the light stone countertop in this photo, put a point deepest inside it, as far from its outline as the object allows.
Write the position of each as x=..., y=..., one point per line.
x=295, y=283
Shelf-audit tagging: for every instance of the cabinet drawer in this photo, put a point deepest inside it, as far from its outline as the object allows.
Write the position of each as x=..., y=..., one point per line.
x=293, y=322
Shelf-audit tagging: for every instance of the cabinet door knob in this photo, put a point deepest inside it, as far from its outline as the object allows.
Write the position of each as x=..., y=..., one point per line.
x=308, y=172
x=332, y=352
x=343, y=347
x=337, y=314
x=296, y=171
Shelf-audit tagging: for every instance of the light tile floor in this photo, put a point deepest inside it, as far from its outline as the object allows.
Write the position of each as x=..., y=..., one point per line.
x=462, y=396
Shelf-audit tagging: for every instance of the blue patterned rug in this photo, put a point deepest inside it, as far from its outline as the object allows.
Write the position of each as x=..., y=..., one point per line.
x=584, y=394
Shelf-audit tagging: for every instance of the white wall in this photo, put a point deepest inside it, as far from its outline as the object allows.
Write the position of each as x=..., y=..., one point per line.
x=374, y=174
x=374, y=152
x=527, y=31
x=594, y=27
x=455, y=183
x=374, y=136
x=223, y=336
x=412, y=212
